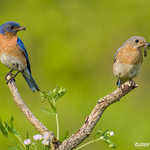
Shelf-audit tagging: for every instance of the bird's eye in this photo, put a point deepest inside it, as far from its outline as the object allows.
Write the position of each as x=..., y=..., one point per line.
x=11, y=27
x=136, y=41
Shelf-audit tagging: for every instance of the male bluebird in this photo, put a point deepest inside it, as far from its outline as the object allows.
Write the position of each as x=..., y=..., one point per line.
x=13, y=53
x=128, y=59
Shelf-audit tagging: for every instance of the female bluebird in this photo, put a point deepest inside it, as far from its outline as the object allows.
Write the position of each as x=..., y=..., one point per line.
x=13, y=53
x=128, y=59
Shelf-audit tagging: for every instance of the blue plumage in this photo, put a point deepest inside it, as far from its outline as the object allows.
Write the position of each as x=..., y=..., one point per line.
x=27, y=72
x=10, y=29
x=6, y=27
x=22, y=48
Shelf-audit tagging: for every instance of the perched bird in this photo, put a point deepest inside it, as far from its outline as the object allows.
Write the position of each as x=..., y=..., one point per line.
x=128, y=59
x=13, y=53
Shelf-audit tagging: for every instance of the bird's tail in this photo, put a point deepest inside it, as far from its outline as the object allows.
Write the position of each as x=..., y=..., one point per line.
x=29, y=79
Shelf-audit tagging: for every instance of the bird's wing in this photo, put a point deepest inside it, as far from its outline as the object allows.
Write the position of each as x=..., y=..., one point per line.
x=116, y=54
x=23, y=49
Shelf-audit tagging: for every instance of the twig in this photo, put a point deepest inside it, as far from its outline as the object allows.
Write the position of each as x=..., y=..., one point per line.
x=91, y=121
x=88, y=143
x=89, y=124
x=57, y=125
x=27, y=112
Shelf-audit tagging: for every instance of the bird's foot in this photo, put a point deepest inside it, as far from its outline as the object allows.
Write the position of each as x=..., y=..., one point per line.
x=132, y=83
x=8, y=74
x=119, y=84
x=11, y=77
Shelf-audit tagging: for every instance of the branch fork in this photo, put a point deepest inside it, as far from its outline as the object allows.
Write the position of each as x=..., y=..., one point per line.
x=74, y=140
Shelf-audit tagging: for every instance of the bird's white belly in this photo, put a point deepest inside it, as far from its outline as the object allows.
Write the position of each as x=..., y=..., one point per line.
x=11, y=62
x=125, y=71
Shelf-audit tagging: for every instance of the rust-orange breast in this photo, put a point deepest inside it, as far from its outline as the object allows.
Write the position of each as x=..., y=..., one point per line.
x=129, y=55
x=8, y=45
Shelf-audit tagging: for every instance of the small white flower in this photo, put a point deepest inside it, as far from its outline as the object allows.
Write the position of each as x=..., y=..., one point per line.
x=27, y=142
x=45, y=142
x=111, y=133
x=37, y=137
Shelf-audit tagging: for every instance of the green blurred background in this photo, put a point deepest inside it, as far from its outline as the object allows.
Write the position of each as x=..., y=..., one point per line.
x=71, y=43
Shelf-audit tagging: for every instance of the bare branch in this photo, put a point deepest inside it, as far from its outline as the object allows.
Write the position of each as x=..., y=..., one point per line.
x=95, y=115
x=89, y=124
x=27, y=112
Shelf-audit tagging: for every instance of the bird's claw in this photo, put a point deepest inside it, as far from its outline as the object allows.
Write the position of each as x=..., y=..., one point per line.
x=132, y=83
x=12, y=78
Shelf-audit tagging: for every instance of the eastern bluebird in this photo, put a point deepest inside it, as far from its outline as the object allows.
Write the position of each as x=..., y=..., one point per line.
x=128, y=59
x=13, y=53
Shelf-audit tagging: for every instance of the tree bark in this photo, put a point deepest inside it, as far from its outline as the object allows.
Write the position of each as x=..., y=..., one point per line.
x=74, y=140
x=91, y=121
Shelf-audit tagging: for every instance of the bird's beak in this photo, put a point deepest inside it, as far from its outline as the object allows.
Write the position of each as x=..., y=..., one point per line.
x=21, y=28
x=147, y=45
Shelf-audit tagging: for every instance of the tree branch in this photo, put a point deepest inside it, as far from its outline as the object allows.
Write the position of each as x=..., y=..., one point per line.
x=91, y=121
x=27, y=112
x=89, y=124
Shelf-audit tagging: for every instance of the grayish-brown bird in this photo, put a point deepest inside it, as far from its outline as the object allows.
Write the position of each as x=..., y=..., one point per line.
x=128, y=59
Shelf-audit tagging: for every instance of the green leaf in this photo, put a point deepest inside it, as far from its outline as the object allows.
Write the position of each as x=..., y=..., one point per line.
x=53, y=95
x=53, y=107
x=105, y=133
x=10, y=128
x=99, y=133
x=47, y=111
x=3, y=129
x=112, y=145
x=11, y=121
x=13, y=131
